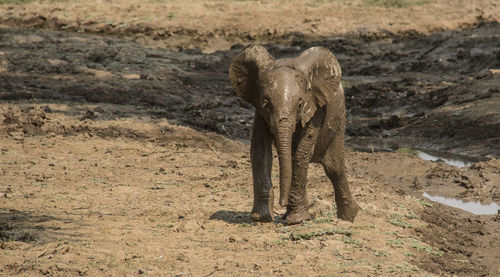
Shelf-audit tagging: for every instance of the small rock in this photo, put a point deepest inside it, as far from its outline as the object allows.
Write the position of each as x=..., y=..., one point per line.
x=131, y=76
x=100, y=74
x=256, y=267
x=183, y=258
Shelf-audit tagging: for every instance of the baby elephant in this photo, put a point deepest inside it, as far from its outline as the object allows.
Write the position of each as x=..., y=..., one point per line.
x=299, y=104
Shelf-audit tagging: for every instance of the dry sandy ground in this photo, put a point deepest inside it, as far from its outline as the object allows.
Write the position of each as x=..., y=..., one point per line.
x=168, y=200
x=217, y=25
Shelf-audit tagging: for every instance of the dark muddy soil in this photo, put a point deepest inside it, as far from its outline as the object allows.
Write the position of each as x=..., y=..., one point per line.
x=443, y=88
x=188, y=88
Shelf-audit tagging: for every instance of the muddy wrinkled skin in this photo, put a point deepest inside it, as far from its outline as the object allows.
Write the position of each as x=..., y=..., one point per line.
x=299, y=104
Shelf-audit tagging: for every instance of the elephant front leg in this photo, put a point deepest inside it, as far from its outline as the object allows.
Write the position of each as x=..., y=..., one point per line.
x=298, y=205
x=297, y=209
x=262, y=158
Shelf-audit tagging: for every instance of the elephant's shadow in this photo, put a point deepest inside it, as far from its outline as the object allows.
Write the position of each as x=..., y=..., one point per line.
x=232, y=217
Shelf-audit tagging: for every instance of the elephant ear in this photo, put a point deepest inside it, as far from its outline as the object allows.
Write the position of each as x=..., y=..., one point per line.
x=323, y=74
x=245, y=68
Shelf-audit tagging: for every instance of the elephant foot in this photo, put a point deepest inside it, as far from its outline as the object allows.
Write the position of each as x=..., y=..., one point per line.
x=261, y=214
x=348, y=211
x=296, y=217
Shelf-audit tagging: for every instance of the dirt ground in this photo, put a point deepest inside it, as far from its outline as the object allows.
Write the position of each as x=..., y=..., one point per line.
x=137, y=195
x=125, y=158
x=217, y=25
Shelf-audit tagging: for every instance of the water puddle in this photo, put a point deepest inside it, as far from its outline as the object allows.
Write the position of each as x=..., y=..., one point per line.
x=454, y=160
x=405, y=145
x=474, y=207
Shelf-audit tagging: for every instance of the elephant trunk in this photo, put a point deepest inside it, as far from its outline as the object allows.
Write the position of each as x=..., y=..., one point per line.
x=284, y=147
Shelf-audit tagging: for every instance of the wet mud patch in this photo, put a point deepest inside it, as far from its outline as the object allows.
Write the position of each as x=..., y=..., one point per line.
x=477, y=182
x=82, y=68
x=462, y=183
x=438, y=87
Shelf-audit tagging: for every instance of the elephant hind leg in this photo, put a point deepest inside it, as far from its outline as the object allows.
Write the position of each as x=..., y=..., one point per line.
x=334, y=166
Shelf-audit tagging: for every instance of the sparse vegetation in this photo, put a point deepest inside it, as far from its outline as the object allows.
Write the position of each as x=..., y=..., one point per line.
x=395, y=3
x=349, y=240
x=420, y=246
x=327, y=218
x=311, y=235
x=364, y=227
x=378, y=253
x=404, y=268
x=395, y=243
x=14, y=2
x=422, y=202
x=397, y=220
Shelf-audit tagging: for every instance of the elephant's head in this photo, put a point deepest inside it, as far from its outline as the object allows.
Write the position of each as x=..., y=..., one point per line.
x=285, y=93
